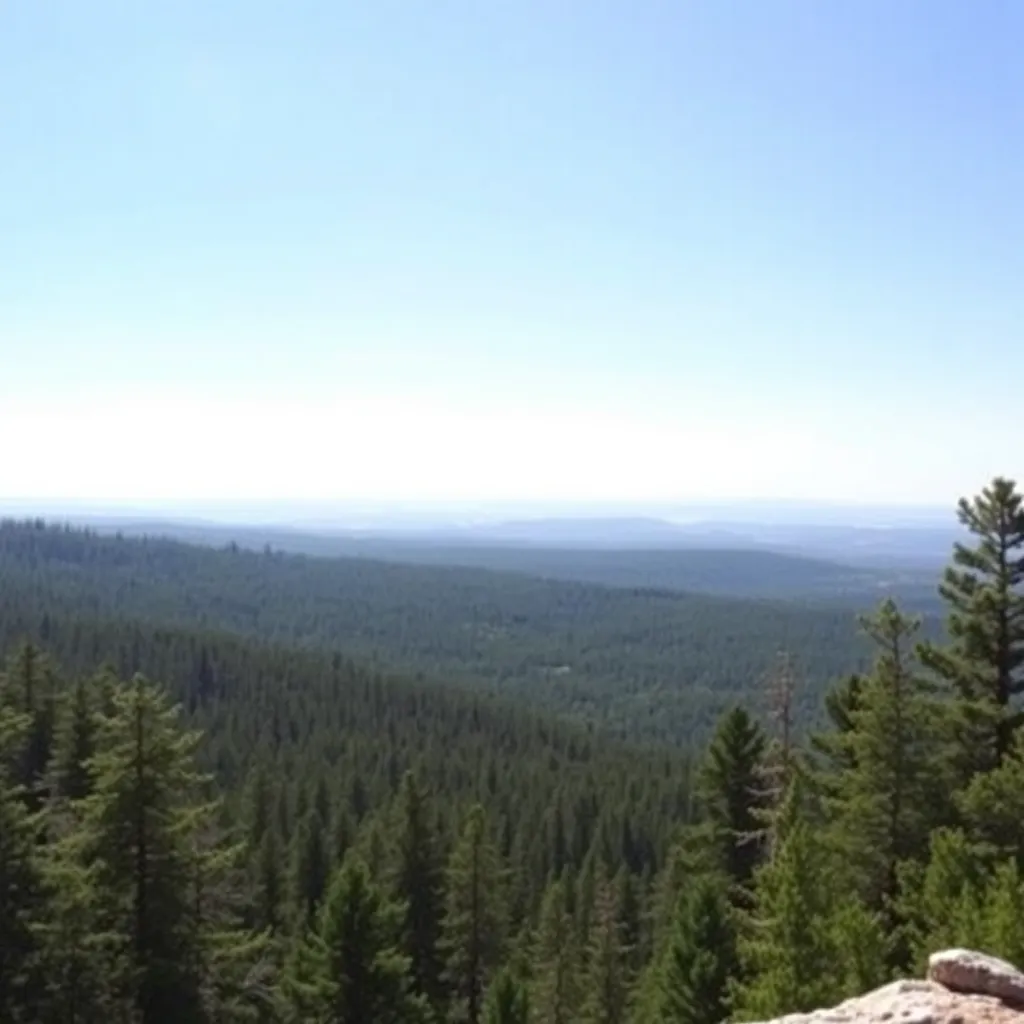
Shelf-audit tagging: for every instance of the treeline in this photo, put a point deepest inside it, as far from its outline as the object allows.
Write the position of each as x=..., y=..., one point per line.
x=642, y=665
x=364, y=854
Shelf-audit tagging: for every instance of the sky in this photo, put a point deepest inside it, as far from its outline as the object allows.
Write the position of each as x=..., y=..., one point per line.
x=496, y=250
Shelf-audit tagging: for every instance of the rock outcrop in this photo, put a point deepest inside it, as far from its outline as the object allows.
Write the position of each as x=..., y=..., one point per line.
x=963, y=970
x=962, y=987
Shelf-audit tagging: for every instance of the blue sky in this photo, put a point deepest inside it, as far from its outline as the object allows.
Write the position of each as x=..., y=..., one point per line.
x=542, y=249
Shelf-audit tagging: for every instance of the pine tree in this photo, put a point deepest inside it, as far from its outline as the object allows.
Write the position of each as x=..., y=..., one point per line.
x=556, y=992
x=21, y=883
x=943, y=904
x=348, y=969
x=728, y=795
x=983, y=661
x=141, y=826
x=29, y=688
x=311, y=866
x=992, y=806
x=418, y=882
x=1004, y=913
x=892, y=795
x=786, y=953
x=630, y=914
x=472, y=932
x=507, y=1000
x=269, y=895
x=259, y=809
x=864, y=947
x=79, y=959
x=831, y=750
x=607, y=980
x=700, y=960
x=75, y=740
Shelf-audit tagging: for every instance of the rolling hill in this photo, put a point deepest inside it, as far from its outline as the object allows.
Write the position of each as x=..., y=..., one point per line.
x=640, y=662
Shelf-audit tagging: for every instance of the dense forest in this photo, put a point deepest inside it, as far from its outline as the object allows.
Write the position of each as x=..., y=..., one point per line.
x=642, y=664
x=789, y=574
x=199, y=822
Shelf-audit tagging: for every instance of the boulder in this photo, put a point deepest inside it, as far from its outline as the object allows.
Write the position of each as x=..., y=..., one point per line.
x=962, y=987
x=964, y=970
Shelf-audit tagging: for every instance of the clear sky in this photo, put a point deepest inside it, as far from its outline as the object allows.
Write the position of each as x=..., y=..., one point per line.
x=490, y=249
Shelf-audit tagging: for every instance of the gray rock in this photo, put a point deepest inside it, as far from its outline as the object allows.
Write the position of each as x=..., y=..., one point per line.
x=965, y=970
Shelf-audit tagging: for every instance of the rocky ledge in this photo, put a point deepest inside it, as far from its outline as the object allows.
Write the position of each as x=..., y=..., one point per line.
x=962, y=987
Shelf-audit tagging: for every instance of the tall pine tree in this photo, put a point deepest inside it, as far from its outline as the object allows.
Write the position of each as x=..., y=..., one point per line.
x=418, y=882
x=348, y=968
x=473, y=929
x=983, y=662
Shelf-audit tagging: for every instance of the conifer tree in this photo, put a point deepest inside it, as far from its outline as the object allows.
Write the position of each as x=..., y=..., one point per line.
x=75, y=741
x=472, y=932
x=21, y=884
x=864, y=946
x=417, y=879
x=259, y=809
x=507, y=1000
x=29, y=688
x=1004, y=913
x=348, y=969
x=892, y=795
x=607, y=979
x=630, y=912
x=269, y=895
x=556, y=993
x=311, y=865
x=786, y=953
x=944, y=904
x=79, y=959
x=983, y=663
x=832, y=755
x=728, y=795
x=141, y=825
x=992, y=806
x=700, y=960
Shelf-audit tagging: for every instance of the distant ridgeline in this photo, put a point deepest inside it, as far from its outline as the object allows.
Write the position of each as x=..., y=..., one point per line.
x=640, y=663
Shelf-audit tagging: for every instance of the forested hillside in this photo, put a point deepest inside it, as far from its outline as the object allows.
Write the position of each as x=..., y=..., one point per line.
x=729, y=572
x=642, y=663
x=371, y=849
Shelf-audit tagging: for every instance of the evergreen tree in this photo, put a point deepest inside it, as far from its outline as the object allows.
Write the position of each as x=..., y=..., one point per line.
x=892, y=795
x=993, y=806
x=864, y=947
x=348, y=969
x=982, y=663
x=29, y=688
x=701, y=957
x=472, y=932
x=269, y=901
x=629, y=902
x=832, y=753
x=75, y=741
x=556, y=992
x=1004, y=914
x=141, y=825
x=418, y=882
x=944, y=904
x=607, y=979
x=507, y=1000
x=728, y=794
x=786, y=953
x=79, y=959
x=21, y=884
x=311, y=866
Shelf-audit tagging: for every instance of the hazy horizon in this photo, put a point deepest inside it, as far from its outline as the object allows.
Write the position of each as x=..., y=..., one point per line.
x=399, y=515
x=476, y=254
